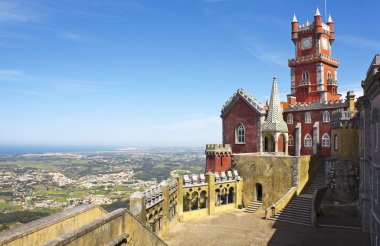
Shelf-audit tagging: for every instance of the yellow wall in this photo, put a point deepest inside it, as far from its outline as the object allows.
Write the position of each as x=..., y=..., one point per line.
x=274, y=173
x=55, y=226
x=348, y=143
x=194, y=214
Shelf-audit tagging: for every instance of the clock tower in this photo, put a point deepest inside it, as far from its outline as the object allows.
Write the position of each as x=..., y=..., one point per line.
x=313, y=70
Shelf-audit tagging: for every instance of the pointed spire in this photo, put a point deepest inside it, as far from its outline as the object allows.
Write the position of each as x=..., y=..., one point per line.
x=330, y=19
x=307, y=22
x=317, y=13
x=295, y=18
x=274, y=120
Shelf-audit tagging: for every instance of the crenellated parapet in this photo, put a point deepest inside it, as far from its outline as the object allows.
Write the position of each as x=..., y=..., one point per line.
x=228, y=176
x=313, y=58
x=317, y=105
x=157, y=206
x=218, y=149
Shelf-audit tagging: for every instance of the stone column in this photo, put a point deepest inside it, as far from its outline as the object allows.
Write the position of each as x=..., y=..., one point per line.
x=239, y=192
x=138, y=206
x=180, y=198
x=210, y=179
x=165, y=211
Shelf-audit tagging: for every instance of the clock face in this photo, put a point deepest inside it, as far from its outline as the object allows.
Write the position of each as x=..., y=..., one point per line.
x=325, y=43
x=306, y=43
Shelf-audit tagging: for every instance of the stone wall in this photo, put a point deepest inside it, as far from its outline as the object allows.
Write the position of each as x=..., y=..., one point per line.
x=275, y=174
x=160, y=208
x=43, y=230
x=83, y=226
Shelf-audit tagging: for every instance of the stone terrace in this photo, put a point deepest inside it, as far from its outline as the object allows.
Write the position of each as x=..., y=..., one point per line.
x=238, y=228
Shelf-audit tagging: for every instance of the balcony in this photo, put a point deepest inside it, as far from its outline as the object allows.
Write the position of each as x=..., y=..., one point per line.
x=332, y=82
x=305, y=82
x=313, y=58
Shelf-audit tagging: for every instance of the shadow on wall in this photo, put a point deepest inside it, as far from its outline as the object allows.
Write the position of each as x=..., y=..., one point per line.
x=294, y=234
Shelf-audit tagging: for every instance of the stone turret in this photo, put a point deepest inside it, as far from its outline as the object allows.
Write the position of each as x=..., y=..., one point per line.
x=218, y=157
x=274, y=128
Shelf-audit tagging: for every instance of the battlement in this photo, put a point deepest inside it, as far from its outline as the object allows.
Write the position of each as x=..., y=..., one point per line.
x=154, y=194
x=218, y=149
x=190, y=180
x=317, y=105
x=313, y=58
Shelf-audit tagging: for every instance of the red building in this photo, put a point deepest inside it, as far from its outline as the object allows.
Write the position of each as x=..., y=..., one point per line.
x=313, y=70
x=241, y=116
x=314, y=95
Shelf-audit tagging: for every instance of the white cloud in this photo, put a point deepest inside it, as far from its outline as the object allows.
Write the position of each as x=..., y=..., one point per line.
x=266, y=55
x=360, y=42
x=71, y=36
x=11, y=11
x=13, y=75
x=190, y=130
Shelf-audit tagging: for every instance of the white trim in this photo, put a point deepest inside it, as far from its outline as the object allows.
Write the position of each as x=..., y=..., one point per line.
x=309, y=140
x=325, y=140
x=307, y=118
x=289, y=119
x=240, y=134
x=326, y=116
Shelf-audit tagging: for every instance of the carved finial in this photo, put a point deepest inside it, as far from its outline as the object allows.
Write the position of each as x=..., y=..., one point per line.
x=317, y=13
x=330, y=19
x=294, y=18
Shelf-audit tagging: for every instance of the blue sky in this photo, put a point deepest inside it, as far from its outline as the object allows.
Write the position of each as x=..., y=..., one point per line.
x=110, y=72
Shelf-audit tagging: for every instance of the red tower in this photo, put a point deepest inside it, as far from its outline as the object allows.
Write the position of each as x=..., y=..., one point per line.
x=218, y=157
x=313, y=70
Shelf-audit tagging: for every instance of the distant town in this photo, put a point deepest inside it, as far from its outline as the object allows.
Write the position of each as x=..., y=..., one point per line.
x=36, y=185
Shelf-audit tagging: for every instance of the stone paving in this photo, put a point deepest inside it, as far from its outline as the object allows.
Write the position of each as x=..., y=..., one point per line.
x=239, y=228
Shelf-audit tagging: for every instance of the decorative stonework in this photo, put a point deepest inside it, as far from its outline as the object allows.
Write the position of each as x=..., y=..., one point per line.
x=241, y=93
x=274, y=121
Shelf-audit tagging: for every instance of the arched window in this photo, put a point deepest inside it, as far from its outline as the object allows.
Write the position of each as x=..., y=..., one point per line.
x=326, y=116
x=329, y=76
x=290, y=140
x=290, y=119
x=336, y=142
x=308, y=141
x=307, y=117
x=325, y=140
x=240, y=134
x=305, y=77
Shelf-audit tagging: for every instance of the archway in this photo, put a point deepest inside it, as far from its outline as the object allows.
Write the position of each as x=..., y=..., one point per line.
x=259, y=192
x=231, y=195
x=281, y=143
x=269, y=143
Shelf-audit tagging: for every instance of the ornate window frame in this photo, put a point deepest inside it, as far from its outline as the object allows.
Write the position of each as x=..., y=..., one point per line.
x=240, y=134
x=308, y=141
x=325, y=140
x=307, y=118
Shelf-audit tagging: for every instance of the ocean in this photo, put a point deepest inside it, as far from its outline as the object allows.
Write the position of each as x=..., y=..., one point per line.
x=40, y=149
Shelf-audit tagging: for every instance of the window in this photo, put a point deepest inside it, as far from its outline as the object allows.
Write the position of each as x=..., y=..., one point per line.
x=325, y=140
x=240, y=134
x=290, y=119
x=336, y=142
x=326, y=116
x=307, y=117
x=308, y=141
x=305, y=77
x=291, y=140
x=329, y=76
